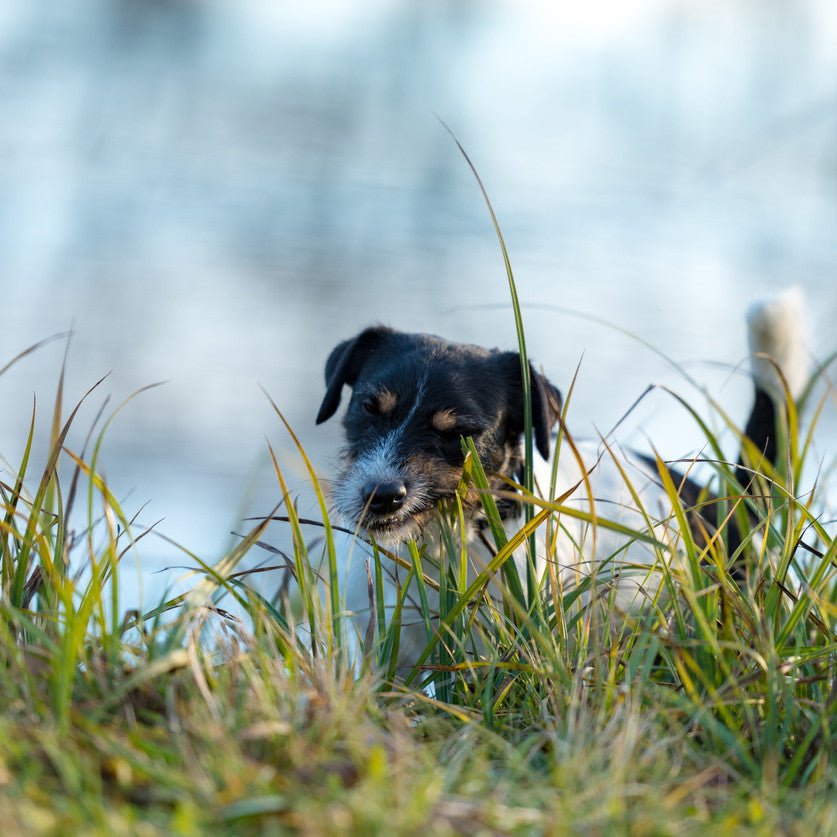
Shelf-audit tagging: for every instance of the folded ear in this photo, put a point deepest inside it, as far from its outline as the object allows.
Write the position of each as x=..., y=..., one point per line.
x=546, y=408
x=546, y=403
x=345, y=363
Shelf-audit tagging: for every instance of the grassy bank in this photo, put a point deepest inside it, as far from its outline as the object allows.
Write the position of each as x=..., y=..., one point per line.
x=714, y=708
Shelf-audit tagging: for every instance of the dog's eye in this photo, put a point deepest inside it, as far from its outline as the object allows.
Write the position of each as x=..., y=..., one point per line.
x=455, y=432
x=370, y=405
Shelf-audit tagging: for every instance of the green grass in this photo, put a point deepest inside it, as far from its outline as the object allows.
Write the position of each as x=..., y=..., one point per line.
x=713, y=708
x=535, y=706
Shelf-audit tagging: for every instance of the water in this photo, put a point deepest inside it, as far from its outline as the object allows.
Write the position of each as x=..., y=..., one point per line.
x=214, y=194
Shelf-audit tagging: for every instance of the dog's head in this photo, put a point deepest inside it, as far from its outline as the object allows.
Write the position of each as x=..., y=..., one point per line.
x=414, y=397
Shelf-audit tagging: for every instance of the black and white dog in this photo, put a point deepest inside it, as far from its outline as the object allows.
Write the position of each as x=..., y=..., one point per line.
x=414, y=396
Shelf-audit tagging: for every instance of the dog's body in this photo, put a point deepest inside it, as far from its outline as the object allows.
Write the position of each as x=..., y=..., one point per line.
x=414, y=397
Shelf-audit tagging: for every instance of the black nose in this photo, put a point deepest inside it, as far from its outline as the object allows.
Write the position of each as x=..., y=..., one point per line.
x=384, y=497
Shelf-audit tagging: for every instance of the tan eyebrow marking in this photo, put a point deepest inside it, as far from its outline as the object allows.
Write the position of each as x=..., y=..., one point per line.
x=387, y=400
x=444, y=420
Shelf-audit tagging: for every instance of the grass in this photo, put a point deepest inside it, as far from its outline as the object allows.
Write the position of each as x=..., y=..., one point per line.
x=532, y=706
x=712, y=708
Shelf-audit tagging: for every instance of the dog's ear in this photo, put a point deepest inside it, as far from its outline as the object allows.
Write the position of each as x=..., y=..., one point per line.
x=546, y=403
x=345, y=363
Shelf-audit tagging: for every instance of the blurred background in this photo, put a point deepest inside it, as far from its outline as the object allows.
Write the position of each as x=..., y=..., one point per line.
x=214, y=193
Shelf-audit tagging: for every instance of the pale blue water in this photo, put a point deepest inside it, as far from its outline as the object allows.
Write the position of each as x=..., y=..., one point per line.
x=214, y=193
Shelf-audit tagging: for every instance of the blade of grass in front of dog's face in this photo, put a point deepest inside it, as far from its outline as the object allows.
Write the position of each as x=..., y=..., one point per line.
x=391, y=645
x=451, y=558
x=462, y=564
x=462, y=576
x=378, y=592
x=553, y=522
x=426, y=616
x=482, y=578
x=559, y=437
x=475, y=471
x=525, y=369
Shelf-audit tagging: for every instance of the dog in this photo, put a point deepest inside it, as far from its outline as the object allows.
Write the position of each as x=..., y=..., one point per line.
x=414, y=397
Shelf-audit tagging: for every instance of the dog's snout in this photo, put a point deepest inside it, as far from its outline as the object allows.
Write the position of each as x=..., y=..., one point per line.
x=384, y=497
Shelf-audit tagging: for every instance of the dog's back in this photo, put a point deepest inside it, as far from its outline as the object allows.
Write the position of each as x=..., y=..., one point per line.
x=625, y=489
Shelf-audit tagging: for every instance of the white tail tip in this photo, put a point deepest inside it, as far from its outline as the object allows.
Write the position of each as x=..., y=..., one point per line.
x=777, y=329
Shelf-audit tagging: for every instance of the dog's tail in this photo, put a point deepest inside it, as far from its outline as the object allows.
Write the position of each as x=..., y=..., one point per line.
x=779, y=367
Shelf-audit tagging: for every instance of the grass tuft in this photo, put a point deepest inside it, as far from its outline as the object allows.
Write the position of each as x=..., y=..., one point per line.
x=524, y=705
